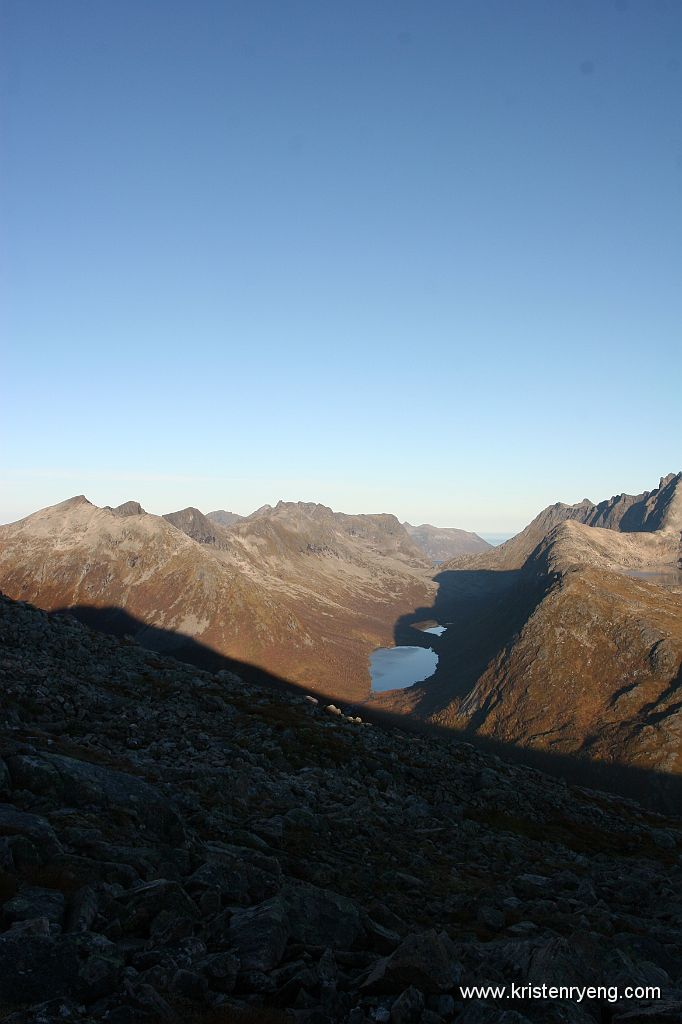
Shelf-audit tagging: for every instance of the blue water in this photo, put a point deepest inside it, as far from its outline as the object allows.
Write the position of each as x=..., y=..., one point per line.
x=394, y=668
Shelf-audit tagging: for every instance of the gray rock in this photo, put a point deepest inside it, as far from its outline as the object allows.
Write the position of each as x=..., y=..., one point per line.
x=142, y=905
x=220, y=970
x=32, y=827
x=320, y=917
x=100, y=974
x=190, y=985
x=407, y=1009
x=33, y=902
x=481, y=1013
x=80, y=783
x=421, y=959
x=259, y=934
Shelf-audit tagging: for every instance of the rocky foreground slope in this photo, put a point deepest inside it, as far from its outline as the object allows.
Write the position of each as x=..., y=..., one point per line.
x=180, y=846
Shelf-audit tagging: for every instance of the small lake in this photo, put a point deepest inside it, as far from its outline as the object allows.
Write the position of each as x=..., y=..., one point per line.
x=395, y=668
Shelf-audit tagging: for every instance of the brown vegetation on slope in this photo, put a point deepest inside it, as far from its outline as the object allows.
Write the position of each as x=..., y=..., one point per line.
x=299, y=590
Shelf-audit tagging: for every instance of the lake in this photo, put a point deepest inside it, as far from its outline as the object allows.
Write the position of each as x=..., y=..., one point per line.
x=394, y=668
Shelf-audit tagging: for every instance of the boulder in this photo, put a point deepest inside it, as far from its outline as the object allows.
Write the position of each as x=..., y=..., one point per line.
x=79, y=783
x=319, y=917
x=423, y=959
x=32, y=902
x=408, y=1007
x=259, y=934
x=31, y=826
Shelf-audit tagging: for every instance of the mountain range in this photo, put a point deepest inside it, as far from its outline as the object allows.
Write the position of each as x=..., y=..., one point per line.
x=566, y=639
x=297, y=590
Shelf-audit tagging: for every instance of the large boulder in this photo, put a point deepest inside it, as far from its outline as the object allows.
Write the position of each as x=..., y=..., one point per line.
x=31, y=826
x=259, y=934
x=423, y=960
x=80, y=783
x=320, y=917
x=142, y=906
x=32, y=902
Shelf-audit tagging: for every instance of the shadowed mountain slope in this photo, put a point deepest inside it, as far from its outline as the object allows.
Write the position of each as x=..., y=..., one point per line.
x=568, y=652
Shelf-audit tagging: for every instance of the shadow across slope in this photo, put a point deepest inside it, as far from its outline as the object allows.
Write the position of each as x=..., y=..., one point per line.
x=657, y=790
x=483, y=611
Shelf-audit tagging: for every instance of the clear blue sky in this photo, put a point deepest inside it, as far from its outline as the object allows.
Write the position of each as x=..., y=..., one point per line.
x=413, y=257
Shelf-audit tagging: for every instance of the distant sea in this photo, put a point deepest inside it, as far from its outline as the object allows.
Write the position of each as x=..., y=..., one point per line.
x=496, y=538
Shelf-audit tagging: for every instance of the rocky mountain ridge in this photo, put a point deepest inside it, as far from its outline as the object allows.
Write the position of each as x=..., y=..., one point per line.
x=658, y=511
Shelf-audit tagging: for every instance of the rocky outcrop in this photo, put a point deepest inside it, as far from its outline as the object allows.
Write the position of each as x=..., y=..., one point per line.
x=182, y=846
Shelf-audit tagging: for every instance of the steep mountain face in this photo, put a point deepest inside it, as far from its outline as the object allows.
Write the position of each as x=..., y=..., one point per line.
x=576, y=651
x=128, y=508
x=224, y=518
x=299, y=590
x=657, y=511
x=441, y=544
x=596, y=670
x=185, y=846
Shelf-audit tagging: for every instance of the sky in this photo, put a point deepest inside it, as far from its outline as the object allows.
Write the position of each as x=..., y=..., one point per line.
x=421, y=258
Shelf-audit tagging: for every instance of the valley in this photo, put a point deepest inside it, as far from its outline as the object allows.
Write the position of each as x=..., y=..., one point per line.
x=565, y=639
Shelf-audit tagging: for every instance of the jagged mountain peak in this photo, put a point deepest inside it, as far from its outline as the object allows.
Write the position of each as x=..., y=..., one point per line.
x=130, y=508
x=78, y=499
x=658, y=512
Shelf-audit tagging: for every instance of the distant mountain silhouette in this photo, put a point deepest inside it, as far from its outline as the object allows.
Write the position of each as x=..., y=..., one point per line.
x=440, y=543
x=224, y=518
